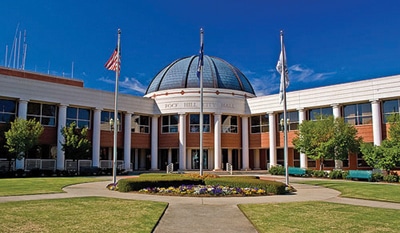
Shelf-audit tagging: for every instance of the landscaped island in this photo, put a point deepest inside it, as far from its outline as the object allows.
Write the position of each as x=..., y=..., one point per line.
x=194, y=184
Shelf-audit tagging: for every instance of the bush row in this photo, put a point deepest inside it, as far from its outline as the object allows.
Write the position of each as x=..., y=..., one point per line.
x=392, y=177
x=173, y=180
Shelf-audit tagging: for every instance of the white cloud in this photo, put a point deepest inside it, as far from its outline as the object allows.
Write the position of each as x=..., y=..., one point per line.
x=298, y=73
x=131, y=84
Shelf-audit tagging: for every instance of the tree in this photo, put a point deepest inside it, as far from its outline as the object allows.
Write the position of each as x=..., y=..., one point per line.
x=326, y=138
x=22, y=136
x=387, y=155
x=76, y=145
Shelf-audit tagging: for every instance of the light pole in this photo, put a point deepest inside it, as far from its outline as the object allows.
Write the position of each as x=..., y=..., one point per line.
x=284, y=125
x=114, y=126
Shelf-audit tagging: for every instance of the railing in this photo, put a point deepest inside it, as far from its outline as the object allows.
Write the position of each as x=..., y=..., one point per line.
x=70, y=165
x=109, y=164
x=5, y=164
x=45, y=164
x=229, y=168
x=170, y=168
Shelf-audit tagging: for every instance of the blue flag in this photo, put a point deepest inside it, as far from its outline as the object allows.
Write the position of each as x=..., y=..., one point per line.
x=201, y=60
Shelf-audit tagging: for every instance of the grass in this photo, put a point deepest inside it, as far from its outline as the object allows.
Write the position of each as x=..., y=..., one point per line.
x=320, y=217
x=25, y=186
x=88, y=214
x=361, y=190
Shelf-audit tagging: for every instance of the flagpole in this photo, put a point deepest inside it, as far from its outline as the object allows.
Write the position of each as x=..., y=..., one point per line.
x=285, y=135
x=116, y=120
x=201, y=103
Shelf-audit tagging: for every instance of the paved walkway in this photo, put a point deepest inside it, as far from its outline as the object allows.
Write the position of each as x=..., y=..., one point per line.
x=205, y=214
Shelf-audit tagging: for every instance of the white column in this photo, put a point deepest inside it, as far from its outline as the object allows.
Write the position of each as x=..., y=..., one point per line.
x=303, y=157
x=136, y=159
x=127, y=141
x=22, y=112
x=245, y=143
x=22, y=109
x=182, y=141
x=336, y=110
x=272, y=139
x=217, y=142
x=256, y=159
x=96, y=137
x=62, y=122
x=169, y=159
x=376, y=122
x=154, y=142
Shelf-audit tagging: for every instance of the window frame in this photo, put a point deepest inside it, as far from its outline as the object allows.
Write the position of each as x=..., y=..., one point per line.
x=194, y=123
x=78, y=118
x=231, y=128
x=360, y=115
x=262, y=124
x=168, y=125
x=8, y=116
x=39, y=116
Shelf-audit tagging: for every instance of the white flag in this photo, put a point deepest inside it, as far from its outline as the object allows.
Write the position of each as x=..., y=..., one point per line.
x=282, y=66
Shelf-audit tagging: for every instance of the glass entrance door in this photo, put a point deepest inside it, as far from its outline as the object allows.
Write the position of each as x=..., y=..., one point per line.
x=196, y=159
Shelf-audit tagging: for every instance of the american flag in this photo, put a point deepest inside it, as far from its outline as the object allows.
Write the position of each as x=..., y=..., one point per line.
x=114, y=62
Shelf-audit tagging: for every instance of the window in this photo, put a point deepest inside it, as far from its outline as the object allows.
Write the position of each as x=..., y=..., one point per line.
x=360, y=161
x=79, y=115
x=106, y=116
x=195, y=123
x=390, y=107
x=43, y=113
x=170, y=124
x=229, y=124
x=260, y=124
x=140, y=124
x=8, y=110
x=358, y=114
x=292, y=121
x=313, y=113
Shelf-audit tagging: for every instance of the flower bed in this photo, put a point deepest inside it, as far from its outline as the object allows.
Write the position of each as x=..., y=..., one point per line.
x=205, y=190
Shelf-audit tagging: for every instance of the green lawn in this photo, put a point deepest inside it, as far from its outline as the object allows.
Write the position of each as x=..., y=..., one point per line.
x=361, y=190
x=25, y=186
x=321, y=217
x=88, y=214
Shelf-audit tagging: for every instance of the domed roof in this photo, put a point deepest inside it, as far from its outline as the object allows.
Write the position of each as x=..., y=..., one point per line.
x=217, y=73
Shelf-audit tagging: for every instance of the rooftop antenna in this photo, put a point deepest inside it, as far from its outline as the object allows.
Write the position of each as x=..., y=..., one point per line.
x=5, y=62
x=25, y=47
x=13, y=48
x=72, y=70
x=19, y=49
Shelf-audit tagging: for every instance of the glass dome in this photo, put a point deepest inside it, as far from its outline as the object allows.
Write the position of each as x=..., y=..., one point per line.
x=217, y=73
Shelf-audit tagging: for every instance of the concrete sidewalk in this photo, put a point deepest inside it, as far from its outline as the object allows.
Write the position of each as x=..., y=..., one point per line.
x=205, y=214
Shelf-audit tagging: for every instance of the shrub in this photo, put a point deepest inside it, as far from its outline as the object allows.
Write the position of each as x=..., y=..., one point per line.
x=277, y=170
x=377, y=176
x=336, y=174
x=309, y=172
x=391, y=178
x=163, y=181
x=319, y=173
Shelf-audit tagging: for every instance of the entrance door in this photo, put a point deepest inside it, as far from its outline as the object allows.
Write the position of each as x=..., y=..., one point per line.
x=196, y=159
x=163, y=159
x=224, y=158
x=235, y=159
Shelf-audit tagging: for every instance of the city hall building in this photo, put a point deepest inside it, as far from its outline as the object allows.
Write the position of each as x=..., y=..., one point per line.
x=162, y=127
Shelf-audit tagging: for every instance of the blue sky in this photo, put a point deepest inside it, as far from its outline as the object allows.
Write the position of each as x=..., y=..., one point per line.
x=327, y=42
